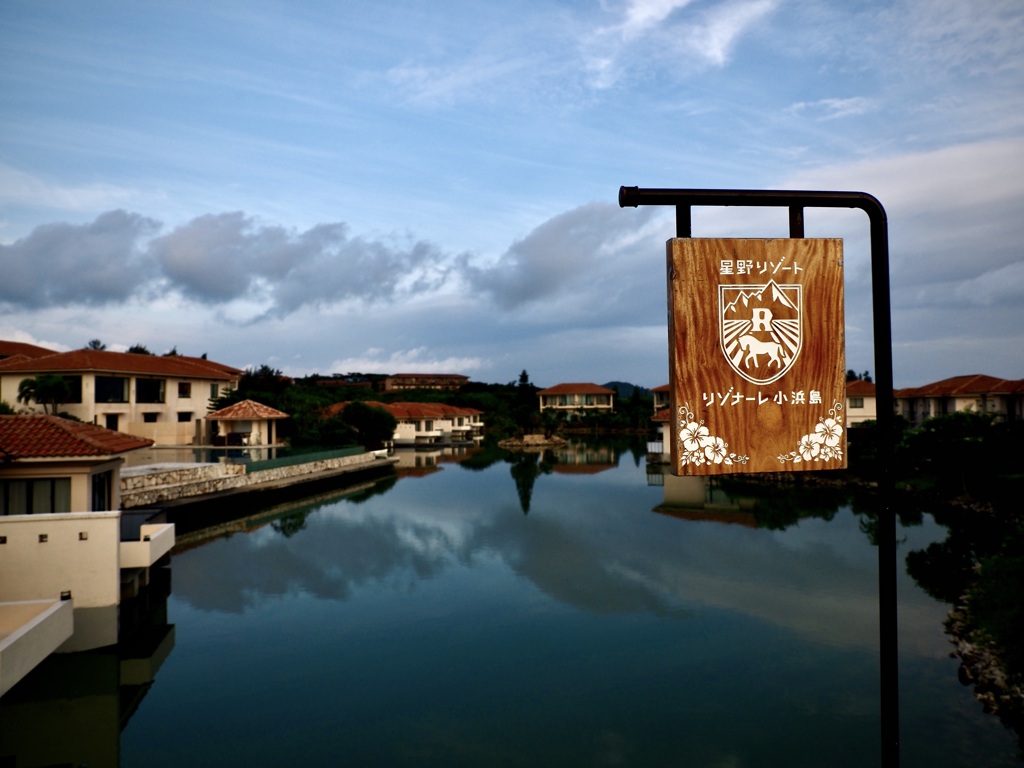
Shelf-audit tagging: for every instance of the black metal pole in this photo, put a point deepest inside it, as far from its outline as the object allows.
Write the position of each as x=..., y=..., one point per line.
x=796, y=201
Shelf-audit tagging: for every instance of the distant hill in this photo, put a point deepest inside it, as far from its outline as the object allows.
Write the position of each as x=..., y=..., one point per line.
x=624, y=390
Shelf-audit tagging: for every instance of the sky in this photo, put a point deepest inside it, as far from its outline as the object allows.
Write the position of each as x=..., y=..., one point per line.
x=419, y=187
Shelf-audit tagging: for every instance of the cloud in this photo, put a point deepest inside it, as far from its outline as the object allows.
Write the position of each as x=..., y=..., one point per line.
x=978, y=38
x=714, y=37
x=831, y=109
x=20, y=188
x=577, y=257
x=91, y=264
x=418, y=360
x=215, y=260
x=953, y=212
x=665, y=32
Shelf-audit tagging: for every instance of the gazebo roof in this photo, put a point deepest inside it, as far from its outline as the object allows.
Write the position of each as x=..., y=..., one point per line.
x=247, y=410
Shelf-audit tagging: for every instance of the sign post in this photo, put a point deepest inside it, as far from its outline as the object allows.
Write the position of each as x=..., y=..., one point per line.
x=796, y=201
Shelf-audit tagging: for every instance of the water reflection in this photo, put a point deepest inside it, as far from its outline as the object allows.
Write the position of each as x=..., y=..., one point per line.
x=71, y=709
x=429, y=621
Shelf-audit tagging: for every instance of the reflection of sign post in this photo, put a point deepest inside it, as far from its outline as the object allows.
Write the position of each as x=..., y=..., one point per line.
x=756, y=346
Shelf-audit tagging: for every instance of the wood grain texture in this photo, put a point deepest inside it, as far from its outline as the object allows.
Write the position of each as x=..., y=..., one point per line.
x=774, y=308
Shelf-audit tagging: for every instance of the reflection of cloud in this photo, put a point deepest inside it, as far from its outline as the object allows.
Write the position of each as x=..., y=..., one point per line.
x=328, y=560
x=817, y=579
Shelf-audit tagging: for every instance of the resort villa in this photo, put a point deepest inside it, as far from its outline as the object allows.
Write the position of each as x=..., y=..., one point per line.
x=68, y=555
x=157, y=397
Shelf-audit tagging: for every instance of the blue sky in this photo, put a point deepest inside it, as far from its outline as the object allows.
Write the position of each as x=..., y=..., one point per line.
x=411, y=187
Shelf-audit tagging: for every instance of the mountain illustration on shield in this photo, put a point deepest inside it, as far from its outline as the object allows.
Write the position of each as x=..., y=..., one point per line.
x=759, y=328
x=771, y=296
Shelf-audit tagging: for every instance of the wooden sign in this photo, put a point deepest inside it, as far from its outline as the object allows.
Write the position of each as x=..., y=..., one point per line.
x=756, y=351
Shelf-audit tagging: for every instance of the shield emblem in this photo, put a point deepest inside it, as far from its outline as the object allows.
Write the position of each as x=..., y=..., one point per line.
x=760, y=328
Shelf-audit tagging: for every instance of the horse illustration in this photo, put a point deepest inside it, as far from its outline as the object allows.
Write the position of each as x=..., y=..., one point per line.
x=755, y=347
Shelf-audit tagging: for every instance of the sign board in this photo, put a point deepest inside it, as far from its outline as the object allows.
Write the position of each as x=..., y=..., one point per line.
x=756, y=351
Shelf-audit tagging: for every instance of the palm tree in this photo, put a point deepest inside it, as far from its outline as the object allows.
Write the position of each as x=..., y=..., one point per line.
x=96, y=344
x=48, y=390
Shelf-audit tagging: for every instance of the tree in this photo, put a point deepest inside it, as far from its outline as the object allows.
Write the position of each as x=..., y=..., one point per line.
x=374, y=426
x=96, y=344
x=48, y=390
x=138, y=349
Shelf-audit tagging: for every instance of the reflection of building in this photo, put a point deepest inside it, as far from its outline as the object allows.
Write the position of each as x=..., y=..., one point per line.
x=88, y=561
x=581, y=458
x=427, y=424
x=977, y=393
x=577, y=399
x=146, y=395
x=701, y=498
x=426, y=461
x=91, y=696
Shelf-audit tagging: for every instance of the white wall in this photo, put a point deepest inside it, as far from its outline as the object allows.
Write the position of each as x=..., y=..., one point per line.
x=81, y=555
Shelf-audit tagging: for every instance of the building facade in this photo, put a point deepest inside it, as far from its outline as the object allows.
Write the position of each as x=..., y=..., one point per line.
x=159, y=398
x=577, y=399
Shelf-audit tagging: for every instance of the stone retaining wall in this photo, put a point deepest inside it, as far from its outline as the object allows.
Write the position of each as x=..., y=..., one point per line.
x=152, y=488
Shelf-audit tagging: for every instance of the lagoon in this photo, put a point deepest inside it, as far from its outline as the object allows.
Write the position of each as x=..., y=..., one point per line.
x=489, y=610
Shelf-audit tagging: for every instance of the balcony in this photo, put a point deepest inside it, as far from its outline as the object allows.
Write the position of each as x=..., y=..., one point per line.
x=155, y=540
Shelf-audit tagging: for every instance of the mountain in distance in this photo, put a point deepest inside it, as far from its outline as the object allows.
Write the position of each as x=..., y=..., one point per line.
x=624, y=390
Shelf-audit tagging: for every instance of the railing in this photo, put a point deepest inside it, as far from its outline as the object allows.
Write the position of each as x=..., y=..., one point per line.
x=303, y=458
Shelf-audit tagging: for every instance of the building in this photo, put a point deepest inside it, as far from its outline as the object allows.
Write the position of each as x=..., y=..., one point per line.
x=662, y=397
x=49, y=464
x=577, y=399
x=21, y=351
x=246, y=423
x=860, y=402
x=159, y=398
x=447, y=382
x=68, y=556
x=976, y=392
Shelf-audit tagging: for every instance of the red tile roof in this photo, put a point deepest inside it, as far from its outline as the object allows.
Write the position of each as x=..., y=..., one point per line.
x=247, y=410
x=102, y=361
x=409, y=411
x=860, y=388
x=577, y=389
x=21, y=349
x=39, y=436
x=972, y=384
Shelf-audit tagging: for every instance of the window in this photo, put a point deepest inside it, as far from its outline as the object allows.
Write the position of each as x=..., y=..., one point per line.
x=102, y=491
x=184, y=390
x=214, y=391
x=111, y=389
x=74, y=389
x=150, y=418
x=149, y=390
x=36, y=496
x=110, y=420
x=856, y=402
x=184, y=416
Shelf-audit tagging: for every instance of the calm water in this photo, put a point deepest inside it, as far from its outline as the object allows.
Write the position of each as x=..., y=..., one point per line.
x=431, y=621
